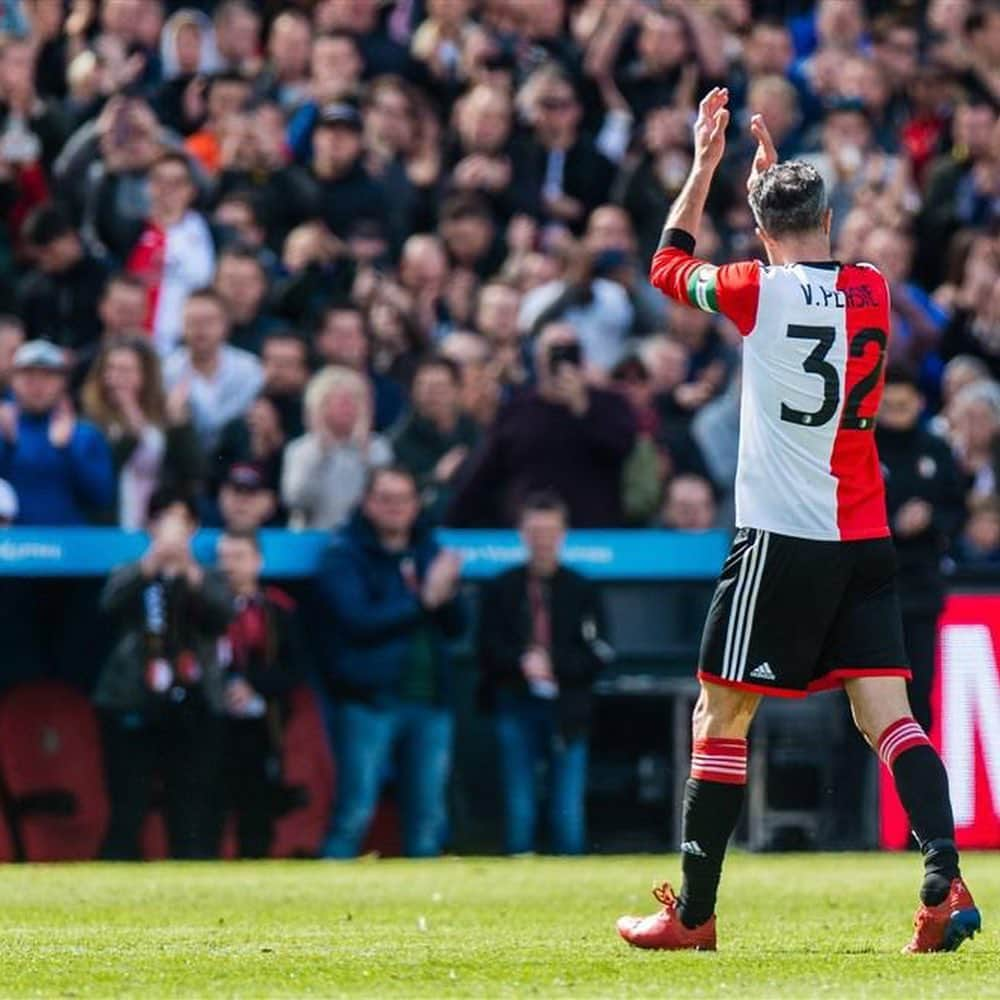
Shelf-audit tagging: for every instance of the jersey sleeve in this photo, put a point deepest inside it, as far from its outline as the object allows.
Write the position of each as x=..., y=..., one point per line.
x=732, y=289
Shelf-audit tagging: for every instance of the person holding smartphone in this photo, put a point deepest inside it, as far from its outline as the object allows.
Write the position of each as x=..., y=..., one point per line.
x=564, y=435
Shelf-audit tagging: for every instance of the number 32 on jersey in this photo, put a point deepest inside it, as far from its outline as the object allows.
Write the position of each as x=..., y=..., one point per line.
x=816, y=364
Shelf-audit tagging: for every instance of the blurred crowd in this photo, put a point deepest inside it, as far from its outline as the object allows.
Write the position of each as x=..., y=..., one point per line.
x=320, y=238
x=251, y=252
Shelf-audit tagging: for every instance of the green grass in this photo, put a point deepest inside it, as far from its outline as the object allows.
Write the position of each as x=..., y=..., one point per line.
x=790, y=926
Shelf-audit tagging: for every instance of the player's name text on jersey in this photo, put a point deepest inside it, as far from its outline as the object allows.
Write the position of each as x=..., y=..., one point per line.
x=857, y=296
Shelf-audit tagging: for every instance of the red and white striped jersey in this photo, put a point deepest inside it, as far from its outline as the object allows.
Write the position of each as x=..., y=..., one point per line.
x=813, y=359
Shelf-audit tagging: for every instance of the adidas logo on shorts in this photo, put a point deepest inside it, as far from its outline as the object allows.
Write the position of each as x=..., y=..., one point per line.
x=694, y=848
x=763, y=672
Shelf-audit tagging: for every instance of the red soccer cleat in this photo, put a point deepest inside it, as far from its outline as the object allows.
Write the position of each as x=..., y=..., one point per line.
x=945, y=926
x=664, y=930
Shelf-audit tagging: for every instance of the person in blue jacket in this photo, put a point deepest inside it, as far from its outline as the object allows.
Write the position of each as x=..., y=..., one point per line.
x=391, y=596
x=59, y=466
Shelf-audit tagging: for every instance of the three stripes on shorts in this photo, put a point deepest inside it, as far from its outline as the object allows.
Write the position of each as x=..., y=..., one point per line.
x=741, y=611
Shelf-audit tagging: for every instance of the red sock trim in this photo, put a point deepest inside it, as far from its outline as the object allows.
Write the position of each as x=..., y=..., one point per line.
x=720, y=760
x=904, y=734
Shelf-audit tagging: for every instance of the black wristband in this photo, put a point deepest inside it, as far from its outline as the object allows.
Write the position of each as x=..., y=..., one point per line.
x=681, y=239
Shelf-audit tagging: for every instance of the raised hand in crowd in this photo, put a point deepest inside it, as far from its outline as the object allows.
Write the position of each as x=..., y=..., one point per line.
x=440, y=583
x=8, y=421
x=62, y=424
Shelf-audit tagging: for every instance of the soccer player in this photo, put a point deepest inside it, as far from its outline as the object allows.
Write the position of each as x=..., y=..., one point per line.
x=807, y=596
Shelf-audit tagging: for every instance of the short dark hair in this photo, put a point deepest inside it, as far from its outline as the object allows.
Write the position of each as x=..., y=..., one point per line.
x=166, y=496
x=543, y=502
x=46, y=224
x=208, y=292
x=897, y=374
x=789, y=198
x=247, y=535
x=174, y=156
x=439, y=361
x=124, y=279
x=375, y=474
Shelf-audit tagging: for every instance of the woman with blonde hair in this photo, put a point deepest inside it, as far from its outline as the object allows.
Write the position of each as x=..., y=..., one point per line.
x=151, y=434
x=325, y=470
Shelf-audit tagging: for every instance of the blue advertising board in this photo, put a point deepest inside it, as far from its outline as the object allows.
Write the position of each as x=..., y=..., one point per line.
x=605, y=555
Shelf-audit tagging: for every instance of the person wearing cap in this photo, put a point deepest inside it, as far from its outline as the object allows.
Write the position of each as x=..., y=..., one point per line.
x=344, y=190
x=60, y=466
x=246, y=500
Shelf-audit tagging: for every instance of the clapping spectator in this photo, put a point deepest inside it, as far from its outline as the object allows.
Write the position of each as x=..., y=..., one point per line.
x=563, y=436
x=540, y=647
x=436, y=438
x=161, y=693
x=325, y=469
x=151, y=435
x=60, y=466
x=392, y=598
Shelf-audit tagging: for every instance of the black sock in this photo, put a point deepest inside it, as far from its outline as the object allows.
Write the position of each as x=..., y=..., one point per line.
x=922, y=785
x=713, y=798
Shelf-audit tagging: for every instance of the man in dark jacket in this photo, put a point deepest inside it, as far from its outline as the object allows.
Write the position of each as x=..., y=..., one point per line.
x=263, y=658
x=563, y=436
x=436, y=437
x=59, y=297
x=161, y=693
x=540, y=648
x=392, y=599
x=345, y=191
x=924, y=500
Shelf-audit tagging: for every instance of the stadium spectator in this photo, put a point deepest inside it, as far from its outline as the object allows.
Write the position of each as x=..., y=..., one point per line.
x=433, y=441
x=58, y=299
x=247, y=500
x=173, y=254
x=325, y=470
x=151, y=435
x=978, y=546
x=241, y=282
x=689, y=504
x=220, y=381
x=924, y=501
x=392, y=599
x=974, y=422
x=60, y=466
x=341, y=340
x=122, y=306
x=263, y=659
x=481, y=372
x=161, y=693
x=275, y=417
x=540, y=647
x=565, y=436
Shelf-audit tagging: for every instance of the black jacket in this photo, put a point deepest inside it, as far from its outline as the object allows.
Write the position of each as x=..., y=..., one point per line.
x=63, y=307
x=195, y=621
x=578, y=651
x=918, y=464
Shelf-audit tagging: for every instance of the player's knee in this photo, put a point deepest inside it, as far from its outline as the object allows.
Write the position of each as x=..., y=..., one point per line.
x=723, y=713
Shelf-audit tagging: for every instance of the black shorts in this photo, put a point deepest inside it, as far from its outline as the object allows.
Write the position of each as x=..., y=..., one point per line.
x=790, y=615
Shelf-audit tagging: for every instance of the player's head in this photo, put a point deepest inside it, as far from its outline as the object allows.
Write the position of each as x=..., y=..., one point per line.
x=790, y=207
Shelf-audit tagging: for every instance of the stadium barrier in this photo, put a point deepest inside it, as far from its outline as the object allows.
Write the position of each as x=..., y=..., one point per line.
x=603, y=555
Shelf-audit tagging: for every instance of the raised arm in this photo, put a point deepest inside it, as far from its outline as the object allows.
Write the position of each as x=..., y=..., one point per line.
x=732, y=289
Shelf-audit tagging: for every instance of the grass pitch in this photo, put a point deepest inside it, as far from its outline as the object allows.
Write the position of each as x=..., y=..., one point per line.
x=790, y=926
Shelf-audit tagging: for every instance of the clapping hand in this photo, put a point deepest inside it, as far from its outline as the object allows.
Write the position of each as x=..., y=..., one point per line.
x=766, y=155
x=441, y=581
x=710, y=128
x=62, y=424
